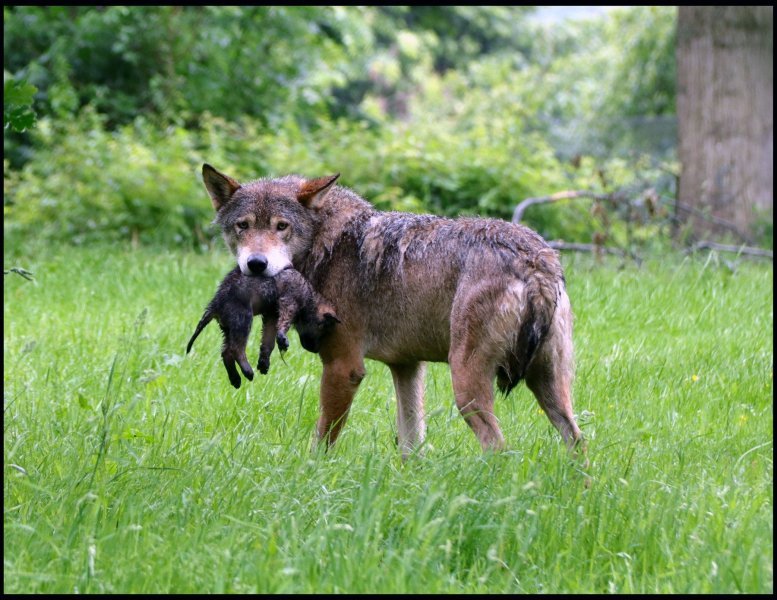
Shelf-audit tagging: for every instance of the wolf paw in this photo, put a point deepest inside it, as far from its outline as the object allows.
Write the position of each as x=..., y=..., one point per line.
x=263, y=365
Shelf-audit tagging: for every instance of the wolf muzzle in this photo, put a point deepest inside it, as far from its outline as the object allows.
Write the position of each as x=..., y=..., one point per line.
x=257, y=264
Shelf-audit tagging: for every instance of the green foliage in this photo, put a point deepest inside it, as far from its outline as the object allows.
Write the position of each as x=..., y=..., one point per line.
x=644, y=80
x=139, y=183
x=272, y=62
x=608, y=87
x=264, y=62
x=460, y=34
x=89, y=184
x=453, y=110
x=17, y=104
x=143, y=184
x=178, y=62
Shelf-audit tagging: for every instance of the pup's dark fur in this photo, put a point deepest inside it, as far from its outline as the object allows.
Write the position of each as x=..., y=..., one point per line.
x=486, y=296
x=284, y=300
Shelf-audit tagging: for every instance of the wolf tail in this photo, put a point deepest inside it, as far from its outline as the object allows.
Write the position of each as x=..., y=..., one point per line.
x=543, y=288
x=206, y=318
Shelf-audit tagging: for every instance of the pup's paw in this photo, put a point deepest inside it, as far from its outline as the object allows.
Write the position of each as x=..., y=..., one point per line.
x=263, y=365
x=234, y=379
x=246, y=368
x=283, y=342
x=229, y=365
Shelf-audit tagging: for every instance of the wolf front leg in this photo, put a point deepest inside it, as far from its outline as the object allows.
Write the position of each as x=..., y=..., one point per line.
x=409, y=387
x=339, y=382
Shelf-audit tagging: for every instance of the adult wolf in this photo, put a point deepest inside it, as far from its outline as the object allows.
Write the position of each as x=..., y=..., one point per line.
x=484, y=295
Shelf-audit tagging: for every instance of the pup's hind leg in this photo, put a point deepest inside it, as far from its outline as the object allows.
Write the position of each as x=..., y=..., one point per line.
x=409, y=387
x=288, y=309
x=234, y=351
x=550, y=375
x=269, y=330
x=229, y=365
x=236, y=326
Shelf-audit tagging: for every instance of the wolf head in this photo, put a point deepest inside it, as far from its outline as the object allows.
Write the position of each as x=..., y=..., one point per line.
x=267, y=224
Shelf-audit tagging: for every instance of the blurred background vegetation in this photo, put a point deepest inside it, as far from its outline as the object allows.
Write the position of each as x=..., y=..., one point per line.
x=450, y=110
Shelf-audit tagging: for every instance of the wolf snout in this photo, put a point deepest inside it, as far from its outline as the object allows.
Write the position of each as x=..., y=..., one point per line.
x=257, y=264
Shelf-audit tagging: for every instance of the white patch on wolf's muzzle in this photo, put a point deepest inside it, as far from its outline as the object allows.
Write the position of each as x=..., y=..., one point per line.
x=277, y=260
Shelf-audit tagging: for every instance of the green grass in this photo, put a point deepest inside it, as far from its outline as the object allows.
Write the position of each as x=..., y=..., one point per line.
x=131, y=467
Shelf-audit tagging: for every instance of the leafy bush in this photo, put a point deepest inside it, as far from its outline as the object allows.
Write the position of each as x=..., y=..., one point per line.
x=141, y=183
x=128, y=112
x=177, y=62
x=608, y=86
x=86, y=183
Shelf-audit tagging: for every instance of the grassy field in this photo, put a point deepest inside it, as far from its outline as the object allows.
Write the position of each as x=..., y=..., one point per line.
x=131, y=467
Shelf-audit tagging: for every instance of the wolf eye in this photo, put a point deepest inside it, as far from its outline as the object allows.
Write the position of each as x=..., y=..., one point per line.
x=281, y=225
x=242, y=225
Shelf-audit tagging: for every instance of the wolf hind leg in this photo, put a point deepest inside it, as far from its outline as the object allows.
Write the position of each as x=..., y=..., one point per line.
x=472, y=374
x=481, y=316
x=549, y=377
x=409, y=387
x=474, y=393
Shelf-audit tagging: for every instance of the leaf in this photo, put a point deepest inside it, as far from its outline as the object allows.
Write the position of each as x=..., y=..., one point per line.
x=83, y=402
x=19, y=119
x=17, y=105
x=19, y=93
x=133, y=433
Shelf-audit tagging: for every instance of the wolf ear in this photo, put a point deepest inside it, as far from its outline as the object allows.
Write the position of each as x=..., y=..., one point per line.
x=326, y=314
x=313, y=191
x=219, y=186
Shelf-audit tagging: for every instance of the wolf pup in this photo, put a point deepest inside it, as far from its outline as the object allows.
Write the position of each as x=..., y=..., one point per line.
x=285, y=300
x=486, y=296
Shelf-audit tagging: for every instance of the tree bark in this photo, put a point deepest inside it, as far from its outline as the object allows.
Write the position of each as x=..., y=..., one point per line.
x=725, y=115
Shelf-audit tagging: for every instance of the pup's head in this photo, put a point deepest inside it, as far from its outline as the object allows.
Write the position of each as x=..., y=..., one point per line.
x=312, y=331
x=267, y=223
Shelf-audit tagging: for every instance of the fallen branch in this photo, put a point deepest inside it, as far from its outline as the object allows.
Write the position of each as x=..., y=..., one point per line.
x=559, y=245
x=567, y=195
x=748, y=250
x=572, y=194
x=597, y=248
x=711, y=218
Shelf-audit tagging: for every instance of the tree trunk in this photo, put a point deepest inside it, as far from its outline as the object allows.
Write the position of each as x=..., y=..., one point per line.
x=725, y=115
